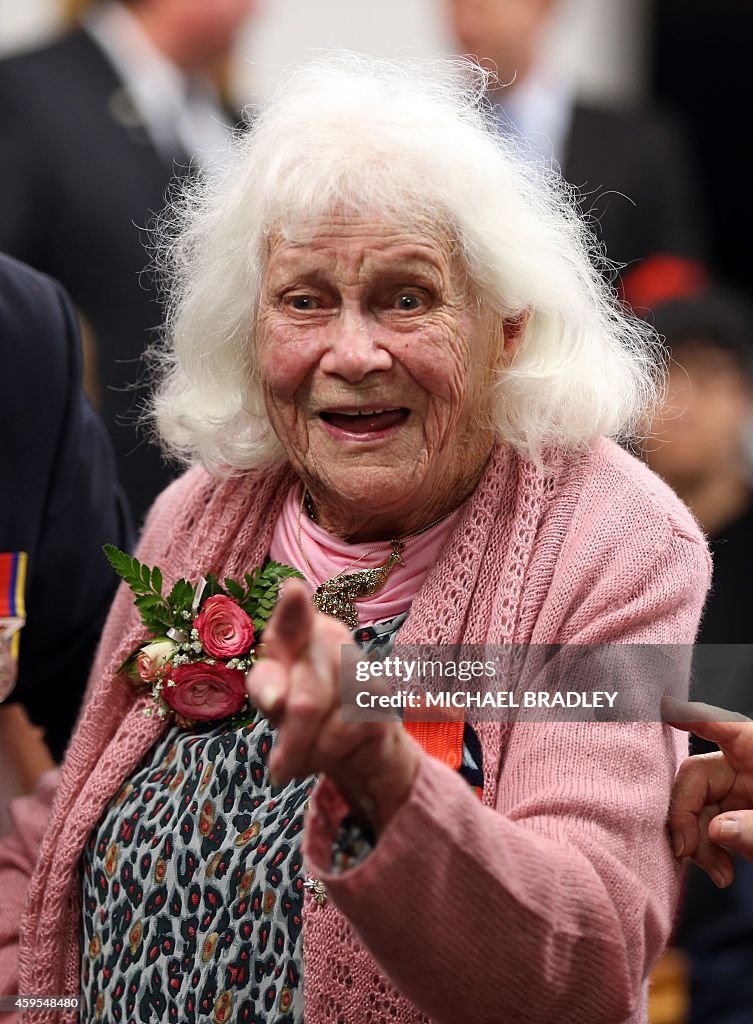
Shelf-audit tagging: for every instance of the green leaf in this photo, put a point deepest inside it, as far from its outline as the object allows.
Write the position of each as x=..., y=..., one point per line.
x=119, y=560
x=235, y=590
x=157, y=580
x=123, y=565
x=129, y=664
x=153, y=613
x=180, y=597
x=138, y=577
x=212, y=587
x=278, y=571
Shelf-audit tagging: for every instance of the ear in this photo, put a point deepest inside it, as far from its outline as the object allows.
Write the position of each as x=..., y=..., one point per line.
x=513, y=331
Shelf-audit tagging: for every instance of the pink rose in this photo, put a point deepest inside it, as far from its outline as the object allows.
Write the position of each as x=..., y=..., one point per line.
x=204, y=692
x=224, y=628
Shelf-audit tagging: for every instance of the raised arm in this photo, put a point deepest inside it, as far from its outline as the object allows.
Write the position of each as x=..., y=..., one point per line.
x=568, y=878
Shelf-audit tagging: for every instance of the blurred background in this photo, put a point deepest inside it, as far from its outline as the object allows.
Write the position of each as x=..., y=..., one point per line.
x=605, y=43
x=689, y=54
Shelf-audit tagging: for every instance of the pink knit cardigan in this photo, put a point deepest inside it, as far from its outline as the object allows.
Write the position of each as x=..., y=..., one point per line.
x=548, y=902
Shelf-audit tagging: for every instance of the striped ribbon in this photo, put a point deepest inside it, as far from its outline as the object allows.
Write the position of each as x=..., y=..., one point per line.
x=12, y=595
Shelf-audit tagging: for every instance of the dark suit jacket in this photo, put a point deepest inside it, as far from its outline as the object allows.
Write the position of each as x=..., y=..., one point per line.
x=636, y=182
x=79, y=182
x=60, y=502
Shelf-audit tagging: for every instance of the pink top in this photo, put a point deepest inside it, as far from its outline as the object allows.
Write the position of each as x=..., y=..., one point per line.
x=328, y=556
x=548, y=901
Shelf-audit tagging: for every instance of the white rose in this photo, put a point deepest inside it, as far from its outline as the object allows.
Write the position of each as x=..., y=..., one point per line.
x=153, y=658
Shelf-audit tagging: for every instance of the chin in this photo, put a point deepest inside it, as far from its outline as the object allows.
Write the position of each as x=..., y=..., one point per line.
x=377, y=493
x=371, y=491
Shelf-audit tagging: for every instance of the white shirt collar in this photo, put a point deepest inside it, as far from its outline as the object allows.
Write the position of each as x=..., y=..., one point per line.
x=177, y=111
x=540, y=110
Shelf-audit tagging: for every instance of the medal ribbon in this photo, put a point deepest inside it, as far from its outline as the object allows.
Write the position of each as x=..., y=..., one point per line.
x=12, y=599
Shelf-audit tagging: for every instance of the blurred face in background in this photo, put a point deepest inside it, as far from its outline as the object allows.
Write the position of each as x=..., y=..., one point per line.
x=198, y=32
x=697, y=436
x=504, y=31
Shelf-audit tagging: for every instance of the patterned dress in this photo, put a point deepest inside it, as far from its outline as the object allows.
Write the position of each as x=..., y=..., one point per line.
x=193, y=879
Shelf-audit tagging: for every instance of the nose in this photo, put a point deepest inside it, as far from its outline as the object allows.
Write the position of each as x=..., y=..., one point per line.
x=353, y=348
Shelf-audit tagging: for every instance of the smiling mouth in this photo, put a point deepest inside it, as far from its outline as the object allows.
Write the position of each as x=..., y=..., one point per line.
x=366, y=421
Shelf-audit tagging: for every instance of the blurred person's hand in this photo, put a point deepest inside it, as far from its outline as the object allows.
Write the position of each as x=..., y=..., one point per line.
x=711, y=813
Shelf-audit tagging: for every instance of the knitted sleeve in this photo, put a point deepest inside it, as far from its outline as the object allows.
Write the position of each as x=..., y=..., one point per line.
x=555, y=903
x=18, y=853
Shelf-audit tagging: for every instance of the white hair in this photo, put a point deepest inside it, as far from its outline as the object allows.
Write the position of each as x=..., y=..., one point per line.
x=411, y=141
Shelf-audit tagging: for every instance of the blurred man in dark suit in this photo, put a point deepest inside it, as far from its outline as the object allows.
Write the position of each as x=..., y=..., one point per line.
x=60, y=504
x=630, y=166
x=92, y=128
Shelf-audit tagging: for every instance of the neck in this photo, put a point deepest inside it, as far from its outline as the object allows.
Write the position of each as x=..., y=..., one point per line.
x=355, y=524
x=716, y=501
x=377, y=536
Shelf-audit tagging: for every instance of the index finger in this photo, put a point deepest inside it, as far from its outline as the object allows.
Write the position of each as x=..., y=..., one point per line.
x=290, y=628
x=732, y=732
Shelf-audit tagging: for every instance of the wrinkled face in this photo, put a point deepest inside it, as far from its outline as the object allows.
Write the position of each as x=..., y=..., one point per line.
x=698, y=433
x=376, y=369
x=504, y=31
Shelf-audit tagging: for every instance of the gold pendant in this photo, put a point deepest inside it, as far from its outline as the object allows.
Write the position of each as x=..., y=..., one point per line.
x=337, y=597
x=317, y=889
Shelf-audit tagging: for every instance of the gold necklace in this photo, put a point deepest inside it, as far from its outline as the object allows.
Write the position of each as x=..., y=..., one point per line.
x=337, y=596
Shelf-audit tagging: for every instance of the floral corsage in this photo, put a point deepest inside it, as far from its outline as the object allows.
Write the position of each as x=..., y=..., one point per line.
x=205, y=637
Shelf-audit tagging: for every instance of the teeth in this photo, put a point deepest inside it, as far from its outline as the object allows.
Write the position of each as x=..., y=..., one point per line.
x=369, y=412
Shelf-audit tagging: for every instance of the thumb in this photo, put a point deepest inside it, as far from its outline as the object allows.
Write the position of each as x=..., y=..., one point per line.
x=734, y=831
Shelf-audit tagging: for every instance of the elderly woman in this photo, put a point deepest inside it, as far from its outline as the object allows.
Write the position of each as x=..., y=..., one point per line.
x=388, y=350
